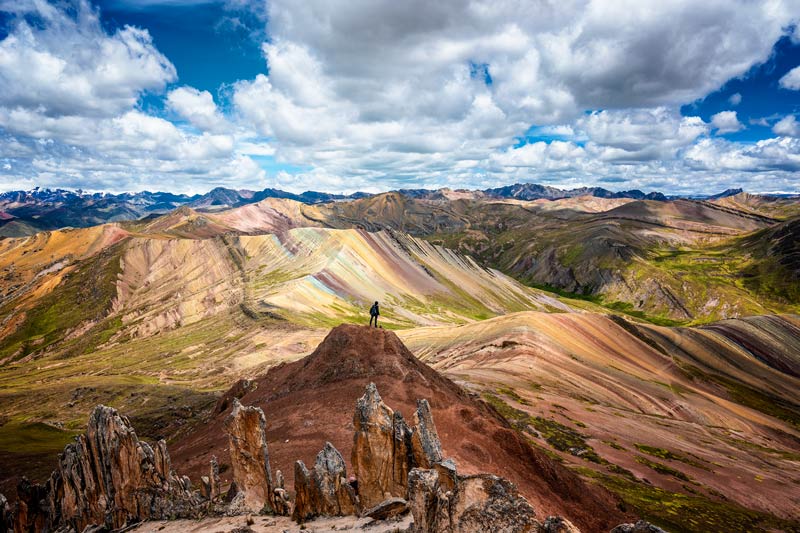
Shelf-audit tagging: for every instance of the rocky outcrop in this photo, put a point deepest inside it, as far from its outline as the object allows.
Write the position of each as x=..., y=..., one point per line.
x=323, y=491
x=558, y=524
x=5, y=515
x=480, y=503
x=109, y=479
x=31, y=512
x=381, y=456
x=425, y=444
x=209, y=485
x=639, y=527
x=106, y=478
x=246, y=427
x=393, y=461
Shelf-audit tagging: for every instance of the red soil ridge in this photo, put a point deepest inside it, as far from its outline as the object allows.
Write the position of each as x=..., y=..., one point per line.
x=311, y=401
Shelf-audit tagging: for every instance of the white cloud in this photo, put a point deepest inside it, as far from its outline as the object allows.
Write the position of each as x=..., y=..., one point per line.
x=70, y=66
x=357, y=98
x=791, y=80
x=777, y=154
x=372, y=94
x=640, y=134
x=68, y=112
x=198, y=108
x=735, y=99
x=788, y=126
x=726, y=122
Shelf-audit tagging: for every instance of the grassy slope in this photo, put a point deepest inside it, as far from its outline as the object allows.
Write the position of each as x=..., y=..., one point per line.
x=736, y=276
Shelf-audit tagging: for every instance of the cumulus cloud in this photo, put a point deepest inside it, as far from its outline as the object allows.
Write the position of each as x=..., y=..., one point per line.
x=457, y=81
x=394, y=95
x=198, y=108
x=777, y=154
x=735, y=99
x=791, y=80
x=68, y=65
x=68, y=114
x=640, y=134
x=788, y=126
x=726, y=122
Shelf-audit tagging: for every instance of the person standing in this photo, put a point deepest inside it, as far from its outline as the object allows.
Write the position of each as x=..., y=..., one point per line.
x=374, y=312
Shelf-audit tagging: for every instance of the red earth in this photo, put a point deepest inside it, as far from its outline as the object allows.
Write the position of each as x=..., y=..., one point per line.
x=311, y=401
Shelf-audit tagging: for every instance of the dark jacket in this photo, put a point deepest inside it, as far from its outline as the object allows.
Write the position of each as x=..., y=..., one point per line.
x=374, y=311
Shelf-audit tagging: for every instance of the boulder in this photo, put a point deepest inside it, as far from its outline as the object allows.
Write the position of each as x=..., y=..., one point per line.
x=558, y=524
x=381, y=456
x=479, y=503
x=107, y=478
x=246, y=427
x=387, y=509
x=639, y=527
x=324, y=491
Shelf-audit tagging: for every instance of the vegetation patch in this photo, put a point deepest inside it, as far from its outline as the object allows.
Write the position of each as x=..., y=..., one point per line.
x=662, y=468
x=688, y=513
x=511, y=393
x=33, y=437
x=557, y=435
x=663, y=453
x=748, y=396
x=84, y=296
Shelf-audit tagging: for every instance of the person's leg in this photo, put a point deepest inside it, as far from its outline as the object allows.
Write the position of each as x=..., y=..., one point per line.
x=371, y=318
x=376, y=321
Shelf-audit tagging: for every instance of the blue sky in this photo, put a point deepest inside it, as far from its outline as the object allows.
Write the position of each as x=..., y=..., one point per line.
x=187, y=95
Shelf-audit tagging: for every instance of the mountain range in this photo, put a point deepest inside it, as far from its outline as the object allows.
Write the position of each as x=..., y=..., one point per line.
x=26, y=212
x=646, y=348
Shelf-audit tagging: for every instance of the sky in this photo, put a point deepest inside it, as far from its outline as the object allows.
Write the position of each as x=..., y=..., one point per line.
x=679, y=96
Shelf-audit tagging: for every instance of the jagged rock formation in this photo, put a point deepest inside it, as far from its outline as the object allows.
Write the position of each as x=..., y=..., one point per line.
x=209, y=485
x=5, y=515
x=639, y=527
x=558, y=524
x=425, y=444
x=382, y=449
x=324, y=491
x=398, y=467
x=106, y=478
x=246, y=427
x=480, y=503
x=393, y=461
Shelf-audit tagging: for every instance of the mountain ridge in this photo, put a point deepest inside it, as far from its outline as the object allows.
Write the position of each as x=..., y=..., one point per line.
x=27, y=212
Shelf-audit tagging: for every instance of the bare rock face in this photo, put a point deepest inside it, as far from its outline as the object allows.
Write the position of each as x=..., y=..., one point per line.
x=639, y=527
x=107, y=478
x=31, y=512
x=246, y=427
x=425, y=444
x=324, y=491
x=480, y=503
x=558, y=524
x=381, y=456
x=5, y=515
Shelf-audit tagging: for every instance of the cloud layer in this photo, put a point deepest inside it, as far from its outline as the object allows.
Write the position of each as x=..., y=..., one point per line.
x=376, y=94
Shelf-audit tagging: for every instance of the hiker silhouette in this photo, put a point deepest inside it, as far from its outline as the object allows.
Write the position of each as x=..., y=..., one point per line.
x=374, y=312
